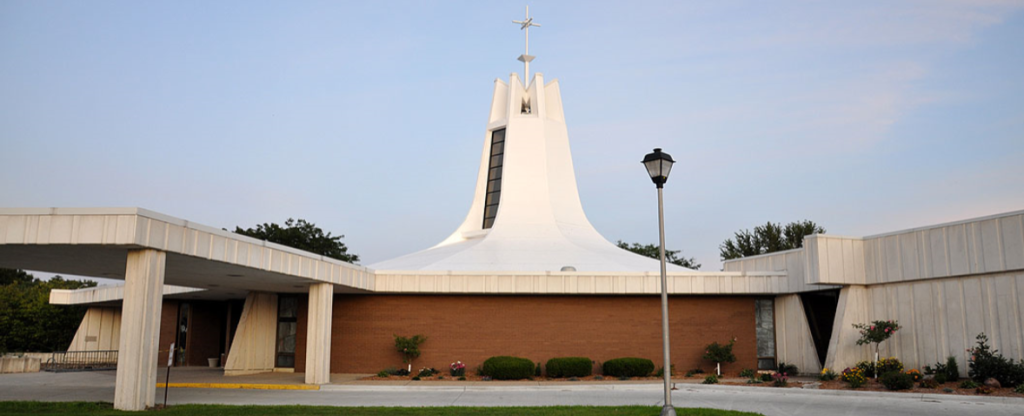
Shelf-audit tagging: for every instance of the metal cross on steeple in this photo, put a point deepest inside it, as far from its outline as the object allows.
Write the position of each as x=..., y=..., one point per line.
x=526, y=58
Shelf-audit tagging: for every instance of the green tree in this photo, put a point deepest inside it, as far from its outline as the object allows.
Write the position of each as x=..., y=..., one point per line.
x=28, y=322
x=654, y=251
x=768, y=238
x=303, y=236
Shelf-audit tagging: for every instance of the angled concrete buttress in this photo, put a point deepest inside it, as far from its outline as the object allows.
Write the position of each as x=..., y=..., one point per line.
x=140, y=330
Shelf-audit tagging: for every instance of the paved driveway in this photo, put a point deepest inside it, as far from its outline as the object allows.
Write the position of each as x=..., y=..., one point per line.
x=99, y=386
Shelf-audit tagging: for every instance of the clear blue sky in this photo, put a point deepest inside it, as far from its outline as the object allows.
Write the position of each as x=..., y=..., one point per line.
x=367, y=118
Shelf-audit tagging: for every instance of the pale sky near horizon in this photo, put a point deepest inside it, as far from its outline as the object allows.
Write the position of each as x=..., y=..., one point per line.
x=368, y=118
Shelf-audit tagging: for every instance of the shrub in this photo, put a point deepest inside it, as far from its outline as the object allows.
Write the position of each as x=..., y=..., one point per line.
x=983, y=390
x=462, y=378
x=569, y=367
x=1019, y=389
x=855, y=376
x=895, y=380
x=986, y=362
x=748, y=373
x=508, y=368
x=409, y=347
x=780, y=379
x=827, y=375
x=765, y=377
x=718, y=353
x=661, y=371
x=628, y=367
x=417, y=378
x=914, y=375
x=889, y=365
x=968, y=384
x=457, y=369
x=383, y=374
x=426, y=372
x=537, y=370
x=943, y=372
x=929, y=383
x=711, y=379
x=789, y=369
x=754, y=380
x=952, y=370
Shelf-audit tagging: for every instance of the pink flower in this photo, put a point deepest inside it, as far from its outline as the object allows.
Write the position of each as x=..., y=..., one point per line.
x=872, y=327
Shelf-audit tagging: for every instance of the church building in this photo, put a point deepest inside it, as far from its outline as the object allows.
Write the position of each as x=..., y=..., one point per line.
x=525, y=274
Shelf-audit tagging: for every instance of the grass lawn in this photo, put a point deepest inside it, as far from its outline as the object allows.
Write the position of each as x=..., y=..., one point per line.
x=84, y=408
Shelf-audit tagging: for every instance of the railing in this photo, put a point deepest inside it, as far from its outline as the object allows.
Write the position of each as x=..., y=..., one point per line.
x=81, y=361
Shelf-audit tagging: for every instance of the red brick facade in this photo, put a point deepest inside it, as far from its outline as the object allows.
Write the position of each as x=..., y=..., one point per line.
x=473, y=328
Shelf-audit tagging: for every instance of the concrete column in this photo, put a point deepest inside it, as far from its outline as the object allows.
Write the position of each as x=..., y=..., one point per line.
x=318, y=333
x=140, y=330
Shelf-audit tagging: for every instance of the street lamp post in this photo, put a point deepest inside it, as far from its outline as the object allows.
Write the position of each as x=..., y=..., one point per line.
x=658, y=165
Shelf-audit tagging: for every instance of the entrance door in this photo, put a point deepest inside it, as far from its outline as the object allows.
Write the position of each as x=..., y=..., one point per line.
x=181, y=344
x=287, y=314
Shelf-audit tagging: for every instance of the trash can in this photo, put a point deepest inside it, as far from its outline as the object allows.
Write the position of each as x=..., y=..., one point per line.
x=214, y=362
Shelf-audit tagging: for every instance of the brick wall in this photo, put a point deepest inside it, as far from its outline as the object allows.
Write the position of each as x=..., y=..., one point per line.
x=473, y=328
x=205, y=334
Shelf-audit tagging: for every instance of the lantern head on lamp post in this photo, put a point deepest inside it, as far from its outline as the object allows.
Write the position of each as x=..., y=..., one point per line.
x=658, y=165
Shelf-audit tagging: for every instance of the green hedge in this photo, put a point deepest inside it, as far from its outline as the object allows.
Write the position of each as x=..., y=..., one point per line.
x=628, y=367
x=569, y=367
x=504, y=367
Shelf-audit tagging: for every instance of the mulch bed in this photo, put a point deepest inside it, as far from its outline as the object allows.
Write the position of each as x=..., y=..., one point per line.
x=873, y=385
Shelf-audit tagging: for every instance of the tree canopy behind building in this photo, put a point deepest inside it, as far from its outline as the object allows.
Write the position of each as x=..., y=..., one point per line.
x=654, y=251
x=303, y=236
x=768, y=238
x=28, y=322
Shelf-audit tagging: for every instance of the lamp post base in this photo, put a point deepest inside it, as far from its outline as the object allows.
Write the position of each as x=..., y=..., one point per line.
x=668, y=410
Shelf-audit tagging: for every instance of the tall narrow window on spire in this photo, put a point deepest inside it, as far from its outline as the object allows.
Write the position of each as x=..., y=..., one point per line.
x=494, y=177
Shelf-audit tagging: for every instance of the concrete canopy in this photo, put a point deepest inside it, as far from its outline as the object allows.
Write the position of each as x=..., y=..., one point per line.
x=96, y=242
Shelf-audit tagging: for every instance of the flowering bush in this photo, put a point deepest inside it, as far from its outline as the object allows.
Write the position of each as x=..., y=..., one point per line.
x=780, y=379
x=426, y=372
x=409, y=347
x=457, y=369
x=889, y=365
x=914, y=374
x=827, y=375
x=867, y=367
x=876, y=332
x=855, y=376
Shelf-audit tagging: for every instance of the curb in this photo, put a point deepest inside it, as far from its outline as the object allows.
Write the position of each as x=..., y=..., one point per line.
x=240, y=386
x=681, y=387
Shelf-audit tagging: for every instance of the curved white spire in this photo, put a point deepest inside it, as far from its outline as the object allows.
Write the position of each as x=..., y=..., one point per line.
x=539, y=223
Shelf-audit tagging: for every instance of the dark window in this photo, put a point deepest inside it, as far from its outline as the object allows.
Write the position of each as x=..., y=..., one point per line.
x=287, y=314
x=494, y=177
x=764, y=310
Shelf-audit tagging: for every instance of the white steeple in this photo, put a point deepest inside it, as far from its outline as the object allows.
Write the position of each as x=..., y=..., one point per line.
x=526, y=214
